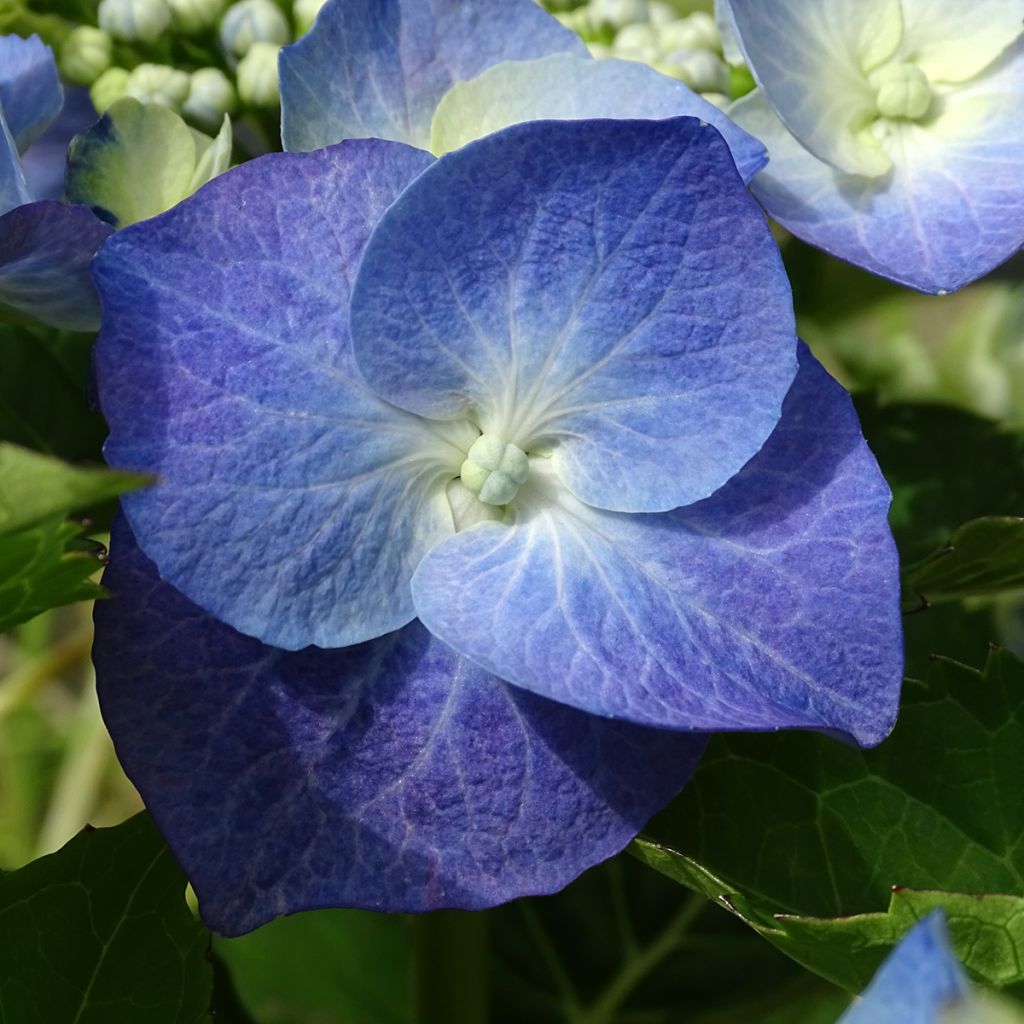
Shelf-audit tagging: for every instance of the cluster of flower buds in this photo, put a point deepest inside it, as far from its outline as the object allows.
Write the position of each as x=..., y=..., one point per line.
x=683, y=46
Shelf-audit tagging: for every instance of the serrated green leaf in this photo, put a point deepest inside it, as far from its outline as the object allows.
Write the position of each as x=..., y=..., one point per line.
x=792, y=827
x=35, y=487
x=984, y=557
x=45, y=566
x=99, y=933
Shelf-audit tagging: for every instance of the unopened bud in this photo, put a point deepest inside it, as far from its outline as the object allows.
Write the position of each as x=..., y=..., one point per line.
x=700, y=70
x=304, y=13
x=256, y=76
x=134, y=20
x=617, y=13
x=158, y=83
x=85, y=55
x=253, y=21
x=210, y=96
x=696, y=32
x=192, y=16
x=108, y=88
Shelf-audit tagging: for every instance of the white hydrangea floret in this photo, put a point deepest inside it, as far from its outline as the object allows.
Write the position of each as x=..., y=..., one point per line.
x=134, y=20
x=85, y=54
x=253, y=21
x=158, y=83
x=108, y=88
x=257, y=76
x=210, y=96
x=192, y=16
x=494, y=469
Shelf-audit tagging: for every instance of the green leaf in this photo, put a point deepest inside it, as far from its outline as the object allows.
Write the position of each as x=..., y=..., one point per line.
x=99, y=933
x=331, y=966
x=785, y=829
x=983, y=557
x=45, y=566
x=35, y=487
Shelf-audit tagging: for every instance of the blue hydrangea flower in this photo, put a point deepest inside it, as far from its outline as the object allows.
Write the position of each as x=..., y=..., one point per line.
x=893, y=129
x=439, y=73
x=487, y=484
x=919, y=981
x=45, y=246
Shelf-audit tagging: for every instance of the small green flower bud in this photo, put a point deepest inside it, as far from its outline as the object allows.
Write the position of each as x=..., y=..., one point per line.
x=700, y=70
x=85, y=55
x=253, y=21
x=697, y=32
x=134, y=20
x=257, y=76
x=192, y=16
x=903, y=91
x=210, y=96
x=158, y=83
x=617, y=13
x=304, y=13
x=108, y=88
x=494, y=470
x=659, y=13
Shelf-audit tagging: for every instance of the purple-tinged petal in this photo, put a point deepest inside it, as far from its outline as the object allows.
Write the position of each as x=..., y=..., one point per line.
x=947, y=213
x=13, y=187
x=292, y=503
x=393, y=775
x=30, y=90
x=919, y=980
x=380, y=67
x=46, y=160
x=772, y=604
x=45, y=252
x=566, y=86
x=605, y=288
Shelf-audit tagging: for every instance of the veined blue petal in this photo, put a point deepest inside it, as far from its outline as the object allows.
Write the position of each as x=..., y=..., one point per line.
x=947, y=214
x=292, y=503
x=393, y=775
x=920, y=979
x=565, y=86
x=952, y=42
x=812, y=59
x=30, y=91
x=605, y=288
x=380, y=67
x=772, y=604
x=13, y=187
x=45, y=252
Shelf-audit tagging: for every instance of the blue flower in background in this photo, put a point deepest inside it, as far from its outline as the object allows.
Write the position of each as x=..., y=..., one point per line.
x=453, y=559
x=45, y=246
x=440, y=73
x=893, y=129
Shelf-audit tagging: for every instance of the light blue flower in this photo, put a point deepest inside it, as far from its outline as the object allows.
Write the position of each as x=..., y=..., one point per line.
x=893, y=129
x=45, y=246
x=487, y=484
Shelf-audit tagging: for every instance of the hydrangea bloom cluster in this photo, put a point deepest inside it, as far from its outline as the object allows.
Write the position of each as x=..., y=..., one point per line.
x=45, y=246
x=486, y=483
x=893, y=129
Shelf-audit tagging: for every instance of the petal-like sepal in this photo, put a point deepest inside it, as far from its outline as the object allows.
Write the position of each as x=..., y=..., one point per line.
x=772, y=604
x=13, y=187
x=45, y=252
x=30, y=91
x=813, y=59
x=380, y=67
x=394, y=775
x=918, y=981
x=292, y=503
x=603, y=288
x=569, y=87
x=947, y=213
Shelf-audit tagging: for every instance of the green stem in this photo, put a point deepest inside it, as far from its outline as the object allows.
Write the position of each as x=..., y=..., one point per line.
x=21, y=684
x=637, y=967
x=451, y=979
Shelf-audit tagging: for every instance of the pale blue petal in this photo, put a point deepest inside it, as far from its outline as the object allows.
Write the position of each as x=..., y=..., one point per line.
x=947, y=214
x=812, y=59
x=920, y=979
x=772, y=604
x=604, y=288
x=13, y=187
x=394, y=775
x=45, y=252
x=380, y=67
x=30, y=91
x=569, y=87
x=292, y=503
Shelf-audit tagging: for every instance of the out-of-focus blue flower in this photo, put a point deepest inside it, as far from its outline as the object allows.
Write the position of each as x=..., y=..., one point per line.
x=45, y=246
x=439, y=73
x=894, y=130
x=453, y=559
x=918, y=983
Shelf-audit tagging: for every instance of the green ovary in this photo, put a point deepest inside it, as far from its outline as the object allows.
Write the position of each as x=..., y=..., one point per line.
x=494, y=470
x=902, y=91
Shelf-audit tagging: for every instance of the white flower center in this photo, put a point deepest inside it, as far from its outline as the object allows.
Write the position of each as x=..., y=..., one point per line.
x=494, y=470
x=901, y=91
